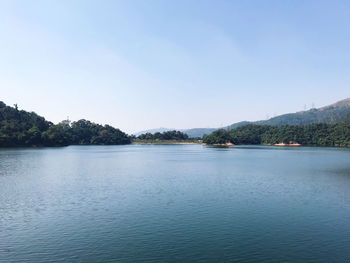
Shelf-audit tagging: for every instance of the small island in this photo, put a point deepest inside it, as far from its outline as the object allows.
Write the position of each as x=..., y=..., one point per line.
x=167, y=137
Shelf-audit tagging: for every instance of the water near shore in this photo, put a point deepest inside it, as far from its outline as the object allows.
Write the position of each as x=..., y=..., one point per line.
x=175, y=203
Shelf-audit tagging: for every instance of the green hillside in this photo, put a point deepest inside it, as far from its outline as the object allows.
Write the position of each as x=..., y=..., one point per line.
x=22, y=128
x=317, y=134
x=334, y=113
x=337, y=112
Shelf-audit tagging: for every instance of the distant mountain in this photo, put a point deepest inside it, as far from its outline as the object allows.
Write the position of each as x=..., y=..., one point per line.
x=198, y=132
x=192, y=133
x=334, y=113
x=337, y=112
x=152, y=131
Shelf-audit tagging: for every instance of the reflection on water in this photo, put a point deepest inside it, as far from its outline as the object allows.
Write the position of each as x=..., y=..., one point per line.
x=183, y=203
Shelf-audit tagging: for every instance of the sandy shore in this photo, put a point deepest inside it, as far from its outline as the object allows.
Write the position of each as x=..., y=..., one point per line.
x=221, y=144
x=164, y=142
x=287, y=144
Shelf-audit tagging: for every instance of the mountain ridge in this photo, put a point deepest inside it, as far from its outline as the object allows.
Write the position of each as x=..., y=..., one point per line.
x=333, y=113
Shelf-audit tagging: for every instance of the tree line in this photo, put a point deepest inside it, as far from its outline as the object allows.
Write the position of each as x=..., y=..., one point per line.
x=164, y=136
x=322, y=134
x=22, y=128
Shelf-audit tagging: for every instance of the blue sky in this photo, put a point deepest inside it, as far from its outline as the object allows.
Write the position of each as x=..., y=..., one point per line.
x=177, y=64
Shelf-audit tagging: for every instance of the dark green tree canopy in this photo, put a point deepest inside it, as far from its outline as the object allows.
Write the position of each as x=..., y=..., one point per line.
x=313, y=134
x=168, y=135
x=22, y=128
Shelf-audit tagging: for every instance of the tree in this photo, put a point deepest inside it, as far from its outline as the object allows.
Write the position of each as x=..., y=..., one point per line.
x=22, y=128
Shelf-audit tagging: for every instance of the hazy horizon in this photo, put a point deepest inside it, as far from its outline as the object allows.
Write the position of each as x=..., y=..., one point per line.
x=140, y=65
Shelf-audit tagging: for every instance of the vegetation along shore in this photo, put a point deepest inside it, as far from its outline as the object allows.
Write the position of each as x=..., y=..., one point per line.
x=19, y=128
x=337, y=134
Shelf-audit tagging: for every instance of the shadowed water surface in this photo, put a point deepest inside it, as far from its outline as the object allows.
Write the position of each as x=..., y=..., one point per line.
x=174, y=203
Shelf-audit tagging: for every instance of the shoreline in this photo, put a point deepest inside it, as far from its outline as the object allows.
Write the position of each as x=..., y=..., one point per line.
x=228, y=144
x=163, y=142
x=287, y=144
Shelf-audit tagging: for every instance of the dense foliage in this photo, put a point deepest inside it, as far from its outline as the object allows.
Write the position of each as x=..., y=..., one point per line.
x=22, y=128
x=167, y=135
x=313, y=134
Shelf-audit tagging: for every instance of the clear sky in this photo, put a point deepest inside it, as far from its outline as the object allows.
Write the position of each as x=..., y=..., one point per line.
x=171, y=63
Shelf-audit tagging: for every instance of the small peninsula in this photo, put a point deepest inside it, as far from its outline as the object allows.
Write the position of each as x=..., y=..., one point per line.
x=166, y=137
x=321, y=134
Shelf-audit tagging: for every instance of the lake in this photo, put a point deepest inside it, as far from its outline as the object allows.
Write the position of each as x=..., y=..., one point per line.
x=175, y=203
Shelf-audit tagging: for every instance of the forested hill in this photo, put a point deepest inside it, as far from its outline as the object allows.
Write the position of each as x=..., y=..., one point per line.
x=320, y=134
x=337, y=112
x=22, y=128
x=334, y=113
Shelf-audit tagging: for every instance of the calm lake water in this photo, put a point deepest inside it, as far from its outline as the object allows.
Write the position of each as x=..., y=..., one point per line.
x=174, y=203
